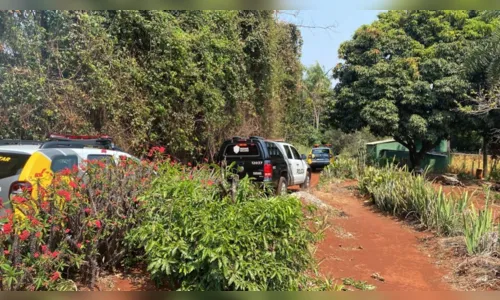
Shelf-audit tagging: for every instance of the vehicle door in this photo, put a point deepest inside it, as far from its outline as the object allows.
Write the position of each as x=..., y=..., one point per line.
x=300, y=164
x=294, y=166
x=247, y=157
x=278, y=160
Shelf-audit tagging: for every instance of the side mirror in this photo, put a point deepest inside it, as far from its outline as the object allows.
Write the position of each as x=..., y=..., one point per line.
x=303, y=156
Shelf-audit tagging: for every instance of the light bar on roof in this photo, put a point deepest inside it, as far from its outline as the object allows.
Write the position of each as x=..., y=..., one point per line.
x=79, y=137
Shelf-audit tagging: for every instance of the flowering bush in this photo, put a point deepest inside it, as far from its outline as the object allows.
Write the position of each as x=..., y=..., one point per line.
x=74, y=227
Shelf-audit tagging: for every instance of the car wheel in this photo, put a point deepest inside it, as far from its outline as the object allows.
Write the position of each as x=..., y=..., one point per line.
x=282, y=187
x=307, y=182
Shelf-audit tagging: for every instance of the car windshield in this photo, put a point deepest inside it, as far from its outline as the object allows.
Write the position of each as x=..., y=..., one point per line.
x=321, y=151
x=12, y=164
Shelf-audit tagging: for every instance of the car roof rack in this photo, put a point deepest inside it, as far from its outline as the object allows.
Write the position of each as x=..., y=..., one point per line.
x=20, y=142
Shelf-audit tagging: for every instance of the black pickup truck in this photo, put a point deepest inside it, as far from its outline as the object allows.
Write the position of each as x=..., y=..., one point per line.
x=278, y=164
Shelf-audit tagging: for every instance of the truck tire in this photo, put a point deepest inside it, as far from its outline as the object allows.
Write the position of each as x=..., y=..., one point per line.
x=282, y=187
x=307, y=182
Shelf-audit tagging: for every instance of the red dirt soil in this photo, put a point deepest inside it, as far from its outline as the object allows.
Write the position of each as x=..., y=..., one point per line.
x=367, y=242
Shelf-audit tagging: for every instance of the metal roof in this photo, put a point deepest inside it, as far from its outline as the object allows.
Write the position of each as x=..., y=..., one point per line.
x=27, y=149
x=382, y=142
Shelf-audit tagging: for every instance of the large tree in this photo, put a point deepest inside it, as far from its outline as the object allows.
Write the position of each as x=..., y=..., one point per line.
x=483, y=70
x=402, y=76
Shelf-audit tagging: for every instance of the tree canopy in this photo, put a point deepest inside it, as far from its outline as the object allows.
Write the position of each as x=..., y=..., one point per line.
x=183, y=79
x=403, y=77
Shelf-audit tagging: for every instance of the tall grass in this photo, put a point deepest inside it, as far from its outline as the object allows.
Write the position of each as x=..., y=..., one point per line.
x=405, y=195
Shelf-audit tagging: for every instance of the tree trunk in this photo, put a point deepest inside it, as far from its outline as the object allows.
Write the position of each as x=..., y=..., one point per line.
x=416, y=158
x=485, y=155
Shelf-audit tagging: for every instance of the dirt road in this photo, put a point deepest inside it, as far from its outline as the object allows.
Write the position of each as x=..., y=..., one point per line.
x=366, y=242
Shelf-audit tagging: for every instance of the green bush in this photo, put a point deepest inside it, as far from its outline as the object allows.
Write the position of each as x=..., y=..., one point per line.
x=196, y=236
x=342, y=168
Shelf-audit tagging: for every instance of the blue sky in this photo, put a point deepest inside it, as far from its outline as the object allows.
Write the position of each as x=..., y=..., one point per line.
x=322, y=45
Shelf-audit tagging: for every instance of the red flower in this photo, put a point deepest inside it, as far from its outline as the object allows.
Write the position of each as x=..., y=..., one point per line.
x=45, y=205
x=7, y=228
x=73, y=184
x=6, y=252
x=38, y=234
x=39, y=175
x=67, y=230
x=65, y=172
x=55, y=276
x=55, y=254
x=87, y=210
x=36, y=255
x=189, y=164
x=101, y=164
x=98, y=224
x=161, y=150
x=83, y=185
x=24, y=235
x=79, y=245
x=44, y=248
x=18, y=199
x=75, y=168
x=65, y=194
x=210, y=182
x=35, y=222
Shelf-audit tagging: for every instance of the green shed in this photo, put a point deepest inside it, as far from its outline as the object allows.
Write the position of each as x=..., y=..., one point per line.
x=436, y=160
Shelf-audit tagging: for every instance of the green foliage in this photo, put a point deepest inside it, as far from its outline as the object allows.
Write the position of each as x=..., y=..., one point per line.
x=307, y=117
x=402, y=76
x=342, y=168
x=183, y=79
x=478, y=228
x=403, y=194
x=349, y=143
x=359, y=284
x=197, y=236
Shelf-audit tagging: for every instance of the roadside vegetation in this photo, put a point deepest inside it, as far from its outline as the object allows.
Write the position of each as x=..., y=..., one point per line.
x=192, y=226
x=412, y=197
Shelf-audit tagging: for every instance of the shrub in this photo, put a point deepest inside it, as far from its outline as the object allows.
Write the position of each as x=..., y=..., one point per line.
x=341, y=168
x=72, y=228
x=197, y=237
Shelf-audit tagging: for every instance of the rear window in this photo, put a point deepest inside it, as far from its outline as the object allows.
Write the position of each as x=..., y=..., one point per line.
x=108, y=159
x=12, y=164
x=321, y=151
x=242, y=150
x=60, y=163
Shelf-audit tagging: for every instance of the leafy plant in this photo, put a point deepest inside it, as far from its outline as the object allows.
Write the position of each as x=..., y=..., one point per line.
x=197, y=237
x=479, y=228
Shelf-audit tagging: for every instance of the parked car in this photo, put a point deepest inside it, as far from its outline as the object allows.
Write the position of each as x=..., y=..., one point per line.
x=21, y=161
x=269, y=162
x=320, y=157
